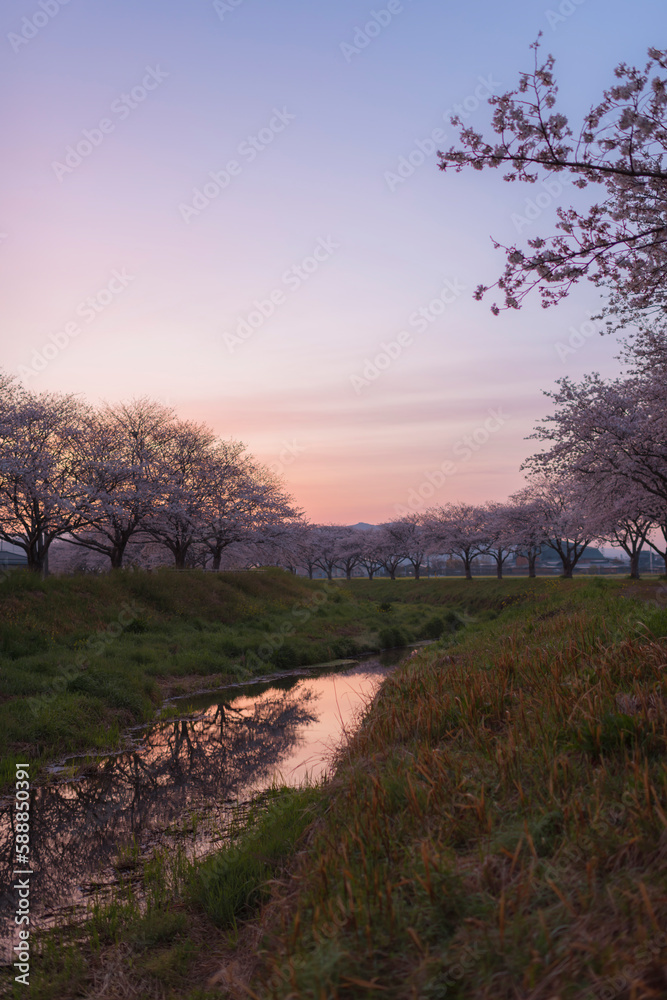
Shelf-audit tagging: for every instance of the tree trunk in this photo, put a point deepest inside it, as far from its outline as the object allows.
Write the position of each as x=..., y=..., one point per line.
x=634, y=566
x=567, y=568
x=499, y=570
x=117, y=553
x=180, y=555
x=417, y=568
x=217, y=557
x=37, y=555
x=348, y=574
x=531, y=566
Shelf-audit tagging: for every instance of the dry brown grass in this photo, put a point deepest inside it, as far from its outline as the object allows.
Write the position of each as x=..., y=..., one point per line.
x=498, y=828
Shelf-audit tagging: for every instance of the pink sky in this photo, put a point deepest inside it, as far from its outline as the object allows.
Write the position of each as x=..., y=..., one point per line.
x=312, y=220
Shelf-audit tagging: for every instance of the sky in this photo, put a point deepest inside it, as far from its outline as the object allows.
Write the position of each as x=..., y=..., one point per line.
x=235, y=207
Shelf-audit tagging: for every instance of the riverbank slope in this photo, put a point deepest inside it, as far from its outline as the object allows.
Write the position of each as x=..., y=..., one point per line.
x=83, y=658
x=496, y=829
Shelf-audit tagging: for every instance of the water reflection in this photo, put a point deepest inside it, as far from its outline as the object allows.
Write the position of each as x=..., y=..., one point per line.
x=185, y=774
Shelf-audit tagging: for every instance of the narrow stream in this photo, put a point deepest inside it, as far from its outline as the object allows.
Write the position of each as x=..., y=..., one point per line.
x=180, y=783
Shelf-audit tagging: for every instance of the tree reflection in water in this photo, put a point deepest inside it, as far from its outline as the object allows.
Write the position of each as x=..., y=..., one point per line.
x=199, y=766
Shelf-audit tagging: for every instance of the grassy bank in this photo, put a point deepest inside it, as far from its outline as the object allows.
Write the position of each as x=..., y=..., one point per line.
x=82, y=658
x=497, y=829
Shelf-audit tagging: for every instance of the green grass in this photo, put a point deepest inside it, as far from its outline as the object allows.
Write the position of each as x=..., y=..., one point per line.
x=233, y=883
x=83, y=658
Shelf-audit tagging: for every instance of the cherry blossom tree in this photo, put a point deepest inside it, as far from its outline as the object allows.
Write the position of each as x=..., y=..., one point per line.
x=124, y=470
x=563, y=515
x=500, y=540
x=186, y=488
x=630, y=532
x=391, y=549
x=372, y=551
x=286, y=548
x=349, y=550
x=108, y=480
x=10, y=390
x=408, y=538
x=621, y=510
x=43, y=492
x=611, y=428
x=327, y=540
x=459, y=529
x=619, y=242
x=297, y=546
x=244, y=501
x=524, y=527
x=661, y=549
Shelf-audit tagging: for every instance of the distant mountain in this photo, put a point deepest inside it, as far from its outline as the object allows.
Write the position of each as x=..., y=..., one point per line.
x=362, y=526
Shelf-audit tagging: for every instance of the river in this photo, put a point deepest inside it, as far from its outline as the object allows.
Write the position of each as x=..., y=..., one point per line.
x=181, y=782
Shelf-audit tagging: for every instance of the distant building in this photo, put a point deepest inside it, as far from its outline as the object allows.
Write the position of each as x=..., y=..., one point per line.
x=650, y=562
x=11, y=555
x=592, y=560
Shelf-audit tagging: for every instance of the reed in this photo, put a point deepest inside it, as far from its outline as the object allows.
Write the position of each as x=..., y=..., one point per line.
x=498, y=827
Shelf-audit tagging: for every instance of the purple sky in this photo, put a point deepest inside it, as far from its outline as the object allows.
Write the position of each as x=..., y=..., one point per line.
x=255, y=300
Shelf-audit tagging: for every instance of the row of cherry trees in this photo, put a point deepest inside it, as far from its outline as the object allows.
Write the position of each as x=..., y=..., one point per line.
x=110, y=480
x=105, y=478
x=607, y=439
x=547, y=512
x=601, y=477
